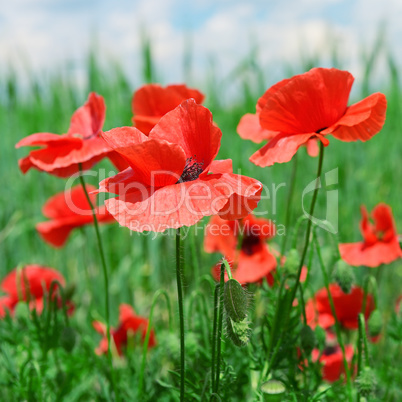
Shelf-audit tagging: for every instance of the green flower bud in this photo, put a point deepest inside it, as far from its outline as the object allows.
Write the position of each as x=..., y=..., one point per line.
x=235, y=300
x=67, y=339
x=308, y=339
x=292, y=262
x=366, y=382
x=374, y=323
x=238, y=332
x=273, y=390
x=343, y=275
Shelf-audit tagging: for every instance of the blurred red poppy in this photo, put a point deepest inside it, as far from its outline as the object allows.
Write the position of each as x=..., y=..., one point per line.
x=310, y=106
x=251, y=260
x=62, y=154
x=380, y=243
x=128, y=322
x=69, y=210
x=152, y=101
x=173, y=179
x=332, y=360
x=31, y=284
x=347, y=307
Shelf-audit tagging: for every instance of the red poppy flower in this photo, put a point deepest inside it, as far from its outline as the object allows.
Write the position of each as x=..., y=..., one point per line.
x=173, y=179
x=332, y=360
x=31, y=283
x=128, y=322
x=310, y=106
x=62, y=154
x=69, y=210
x=252, y=259
x=152, y=101
x=380, y=243
x=347, y=307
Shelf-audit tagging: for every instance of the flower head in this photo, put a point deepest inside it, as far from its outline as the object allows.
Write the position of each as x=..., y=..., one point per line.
x=128, y=322
x=251, y=260
x=310, y=106
x=152, y=101
x=347, y=307
x=173, y=179
x=32, y=284
x=380, y=243
x=61, y=155
x=69, y=210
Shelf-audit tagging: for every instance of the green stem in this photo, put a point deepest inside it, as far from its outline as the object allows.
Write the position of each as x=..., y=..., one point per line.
x=220, y=323
x=337, y=325
x=214, y=330
x=288, y=203
x=106, y=280
x=181, y=314
x=160, y=292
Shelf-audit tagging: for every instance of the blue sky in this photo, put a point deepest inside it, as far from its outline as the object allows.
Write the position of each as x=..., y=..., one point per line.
x=56, y=34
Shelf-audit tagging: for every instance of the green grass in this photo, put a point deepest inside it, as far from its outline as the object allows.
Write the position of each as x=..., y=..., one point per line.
x=369, y=173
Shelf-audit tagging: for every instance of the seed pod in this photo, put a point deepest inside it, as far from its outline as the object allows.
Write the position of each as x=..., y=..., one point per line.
x=366, y=382
x=235, y=300
x=67, y=339
x=308, y=339
x=343, y=275
x=238, y=332
x=273, y=390
x=374, y=323
x=292, y=262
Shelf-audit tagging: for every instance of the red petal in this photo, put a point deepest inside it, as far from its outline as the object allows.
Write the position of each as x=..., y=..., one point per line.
x=54, y=233
x=312, y=147
x=125, y=312
x=88, y=119
x=221, y=166
x=384, y=222
x=99, y=327
x=280, y=149
x=308, y=102
x=69, y=203
x=357, y=254
x=220, y=237
x=156, y=163
x=362, y=120
x=152, y=101
x=249, y=128
x=190, y=125
x=48, y=139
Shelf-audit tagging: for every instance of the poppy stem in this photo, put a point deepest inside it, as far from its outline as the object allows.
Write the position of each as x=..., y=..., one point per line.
x=332, y=305
x=106, y=280
x=289, y=202
x=220, y=324
x=181, y=313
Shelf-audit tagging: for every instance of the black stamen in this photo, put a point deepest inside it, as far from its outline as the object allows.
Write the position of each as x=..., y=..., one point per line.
x=249, y=242
x=191, y=170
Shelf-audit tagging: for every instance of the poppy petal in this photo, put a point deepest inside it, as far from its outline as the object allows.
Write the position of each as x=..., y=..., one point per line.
x=190, y=125
x=88, y=120
x=362, y=120
x=249, y=128
x=308, y=102
x=43, y=139
x=280, y=149
x=221, y=166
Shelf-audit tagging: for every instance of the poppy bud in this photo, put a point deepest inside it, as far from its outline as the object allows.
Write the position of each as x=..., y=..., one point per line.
x=292, y=262
x=238, y=332
x=273, y=390
x=366, y=382
x=67, y=339
x=235, y=300
x=343, y=275
x=374, y=323
x=308, y=339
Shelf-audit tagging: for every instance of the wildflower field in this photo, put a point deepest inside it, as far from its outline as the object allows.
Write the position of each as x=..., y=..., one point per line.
x=218, y=267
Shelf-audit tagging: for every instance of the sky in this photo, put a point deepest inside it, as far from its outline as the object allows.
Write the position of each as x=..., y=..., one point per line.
x=43, y=36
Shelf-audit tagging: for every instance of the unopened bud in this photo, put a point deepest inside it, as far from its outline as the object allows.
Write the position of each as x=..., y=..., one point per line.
x=343, y=275
x=366, y=382
x=238, y=332
x=308, y=339
x=67, y=339
x=273, y=390
x=235, y=300
x=374, y=323
x=291, y=265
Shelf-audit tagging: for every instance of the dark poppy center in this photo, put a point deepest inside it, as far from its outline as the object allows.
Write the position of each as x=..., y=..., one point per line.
x=329, y=350
x=319, y=131
x=191, y=171
x=249, y=242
